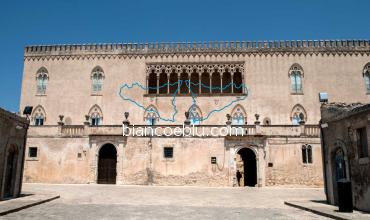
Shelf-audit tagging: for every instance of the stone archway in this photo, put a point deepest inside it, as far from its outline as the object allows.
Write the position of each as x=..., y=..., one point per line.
x=10, y=171
x=107, y=164
x=246, y=167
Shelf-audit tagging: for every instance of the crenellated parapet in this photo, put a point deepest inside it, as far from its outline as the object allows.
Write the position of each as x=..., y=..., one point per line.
x=192, y=48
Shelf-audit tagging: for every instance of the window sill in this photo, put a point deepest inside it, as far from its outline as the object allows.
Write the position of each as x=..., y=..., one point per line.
x=364, y=160
x=32, y=159
x=307, y=164
x=40, y=94
x=96, y=94
x=197, y=95
x=168, y=159
x=296, y=93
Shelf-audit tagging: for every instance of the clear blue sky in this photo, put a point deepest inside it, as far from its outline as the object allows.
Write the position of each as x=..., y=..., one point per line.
x=72, y=21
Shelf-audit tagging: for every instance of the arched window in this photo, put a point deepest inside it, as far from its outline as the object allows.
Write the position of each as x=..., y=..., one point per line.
x=42, y=78
x=238, y=115
x=184, y=77
x=205, y=81
x=298, y=115
x=163, y=83
x=151, y=115
x=38, y=116
x=367, y=77
x=340, y=165
x=152, y=83
x=216, y=82
x=296, y=75
x=238, y=82
x=174, y=84
x=96, y=116
x=226, y=82
x=194, y=82
x=195, y=116
x=97, y=77
x=306, y=154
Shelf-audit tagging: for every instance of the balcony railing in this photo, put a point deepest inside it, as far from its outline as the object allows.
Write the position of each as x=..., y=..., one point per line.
x=244, y=130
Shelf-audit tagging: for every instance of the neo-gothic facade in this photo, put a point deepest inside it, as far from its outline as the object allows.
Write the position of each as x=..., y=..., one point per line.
x=80, y=94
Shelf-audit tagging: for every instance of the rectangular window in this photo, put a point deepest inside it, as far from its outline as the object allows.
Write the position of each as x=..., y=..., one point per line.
x=168, y=152
x=362, y=146
x=32, y=152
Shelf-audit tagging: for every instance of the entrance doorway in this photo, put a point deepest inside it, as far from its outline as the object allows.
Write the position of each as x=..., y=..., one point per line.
x=107, y=164
x=246, y=167
x=11, y=171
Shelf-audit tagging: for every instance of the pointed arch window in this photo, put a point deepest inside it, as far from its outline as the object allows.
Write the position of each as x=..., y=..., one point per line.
x=366, y=74
x=296, y=75
x=298, y=115
x=151, y=115
x=96, y=116
x=42, y=78
x=238, y=115
x=195, y=116
x=38, y=116
x=97, y=77
x=306, y=154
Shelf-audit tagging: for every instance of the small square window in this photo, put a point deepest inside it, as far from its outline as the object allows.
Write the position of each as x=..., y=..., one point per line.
x=32, y=152
x=79, y=155
x=168, y=152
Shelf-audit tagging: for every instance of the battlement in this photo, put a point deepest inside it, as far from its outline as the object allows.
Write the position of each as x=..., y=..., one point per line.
x=200, y=47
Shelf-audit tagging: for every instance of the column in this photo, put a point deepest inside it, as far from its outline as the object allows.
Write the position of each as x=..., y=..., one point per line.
x=232, y=83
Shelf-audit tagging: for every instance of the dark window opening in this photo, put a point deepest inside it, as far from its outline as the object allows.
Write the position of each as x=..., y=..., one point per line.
x=216, y=82
x=168, y=152
x=39, y=121
x=32, y=152
x=362, y=146
x=173, y=83
x=194, y=83
x=163, y=83
x=226, y=83
x=238, y=82
x=152, y=83
x=205, y=80
x=79, y=155
x=184, y=83
x=306, y=154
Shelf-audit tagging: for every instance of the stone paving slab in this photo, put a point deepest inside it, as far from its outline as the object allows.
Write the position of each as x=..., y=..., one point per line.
x=25, y=201
x=330, y=211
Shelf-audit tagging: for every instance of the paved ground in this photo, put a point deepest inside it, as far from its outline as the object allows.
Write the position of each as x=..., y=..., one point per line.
x=156, y=202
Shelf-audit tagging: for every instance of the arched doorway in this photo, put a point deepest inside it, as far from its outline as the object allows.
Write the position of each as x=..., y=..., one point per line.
x=339, y=170
x=10, y=171
x=246, y=167
x=107, y=164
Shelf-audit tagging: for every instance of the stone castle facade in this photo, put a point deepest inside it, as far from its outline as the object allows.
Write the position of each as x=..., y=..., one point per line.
x=80, y=94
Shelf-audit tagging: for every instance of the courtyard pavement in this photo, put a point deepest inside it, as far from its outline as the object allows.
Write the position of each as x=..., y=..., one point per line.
x=166, y=202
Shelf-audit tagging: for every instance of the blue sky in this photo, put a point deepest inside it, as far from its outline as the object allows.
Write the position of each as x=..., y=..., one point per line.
x=72, y=21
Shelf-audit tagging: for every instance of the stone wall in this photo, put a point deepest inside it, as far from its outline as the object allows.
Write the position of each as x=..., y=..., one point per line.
x=13, y=130
x=340, y=122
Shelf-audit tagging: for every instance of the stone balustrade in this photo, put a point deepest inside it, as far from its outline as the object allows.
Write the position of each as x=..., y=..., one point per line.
x=221, y=130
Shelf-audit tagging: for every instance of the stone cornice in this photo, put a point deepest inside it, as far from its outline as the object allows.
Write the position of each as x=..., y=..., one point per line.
x=239, y=48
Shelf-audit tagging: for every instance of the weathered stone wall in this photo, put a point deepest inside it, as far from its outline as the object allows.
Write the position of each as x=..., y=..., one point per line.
x=288, y=167
x=341, y=122
x=13, y=130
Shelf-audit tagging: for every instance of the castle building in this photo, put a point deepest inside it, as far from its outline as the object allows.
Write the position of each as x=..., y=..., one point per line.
x=83, y=94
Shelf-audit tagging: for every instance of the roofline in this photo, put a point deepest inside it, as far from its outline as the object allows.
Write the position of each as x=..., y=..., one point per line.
x=209, y=46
